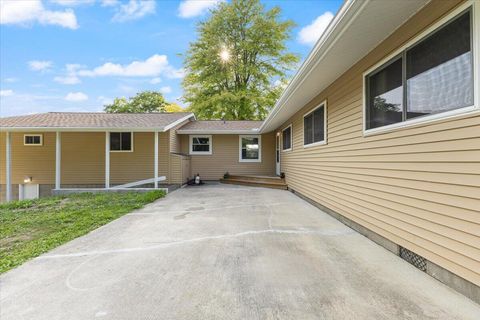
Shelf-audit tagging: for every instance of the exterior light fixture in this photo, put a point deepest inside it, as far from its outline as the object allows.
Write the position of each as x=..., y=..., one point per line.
x=27, y=179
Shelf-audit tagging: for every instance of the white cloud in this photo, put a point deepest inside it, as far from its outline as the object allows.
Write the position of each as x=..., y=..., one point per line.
x=10, y=80
x=152, y=67
x=193, y=8
x=67, y=80
x=155, y=80
x=166, y=89
x=76, y=96
x=27, y=12
x=134, y=9
x=311, y=33
x=109, y=3
x=104, y=100
x=71, y=75
x=72, y=3
x=40, y=65
x=6, y=93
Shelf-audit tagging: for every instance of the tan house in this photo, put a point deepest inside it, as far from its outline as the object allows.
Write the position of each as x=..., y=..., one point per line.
x=380, y=127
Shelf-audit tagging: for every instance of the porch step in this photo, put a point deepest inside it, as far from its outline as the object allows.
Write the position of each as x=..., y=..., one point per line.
x=257, y=181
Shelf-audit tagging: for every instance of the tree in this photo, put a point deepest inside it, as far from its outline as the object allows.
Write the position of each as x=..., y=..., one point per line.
x=173, y=107
x=237, y=67
x=143, y=102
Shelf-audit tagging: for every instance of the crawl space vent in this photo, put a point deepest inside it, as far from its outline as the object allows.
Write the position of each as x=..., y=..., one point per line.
x=411, y=257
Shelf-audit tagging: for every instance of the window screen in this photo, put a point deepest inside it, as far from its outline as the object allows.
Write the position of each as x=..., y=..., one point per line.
x=287, y=138
x=314, y=126
x=433, y=76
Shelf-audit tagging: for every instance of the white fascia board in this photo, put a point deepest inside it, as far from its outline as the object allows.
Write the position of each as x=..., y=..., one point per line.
x=256, y=131
x=79, y=129
x=174, y=124
x=323, y=44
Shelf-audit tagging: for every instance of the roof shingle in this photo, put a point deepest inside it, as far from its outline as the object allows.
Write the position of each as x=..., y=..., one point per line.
x=93, y=120
x=220, y=125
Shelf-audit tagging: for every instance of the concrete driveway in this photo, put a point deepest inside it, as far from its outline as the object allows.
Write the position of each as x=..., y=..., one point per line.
x=226, y=252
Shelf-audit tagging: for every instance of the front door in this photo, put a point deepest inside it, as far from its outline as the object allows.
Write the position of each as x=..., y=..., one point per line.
x=277, y=155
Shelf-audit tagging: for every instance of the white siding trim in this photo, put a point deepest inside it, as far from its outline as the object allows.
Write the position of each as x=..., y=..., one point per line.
x=8, y=167
x=58, y=159
x=107, y=159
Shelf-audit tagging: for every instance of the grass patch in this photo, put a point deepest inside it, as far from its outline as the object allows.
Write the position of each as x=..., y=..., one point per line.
x=29, y=228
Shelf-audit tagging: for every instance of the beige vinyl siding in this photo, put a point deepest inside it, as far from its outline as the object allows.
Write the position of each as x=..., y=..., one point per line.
x=179, y=168
x=83, y=158
x=225, y=157
x=175, y=138
x=417, y=186
x=37, y=162
x=137, y=165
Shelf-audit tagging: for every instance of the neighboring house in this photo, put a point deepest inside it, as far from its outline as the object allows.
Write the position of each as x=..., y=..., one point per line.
x=380, y=127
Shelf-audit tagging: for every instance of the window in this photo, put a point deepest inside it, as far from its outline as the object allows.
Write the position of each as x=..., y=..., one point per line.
x=32, y=140
x=250, y=148
x=314, y=128
x=200, y=144
x=433, y=76
x=121, y=141
x=287, y=138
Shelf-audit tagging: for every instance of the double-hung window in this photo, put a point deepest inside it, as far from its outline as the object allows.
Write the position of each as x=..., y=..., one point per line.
x=121, y=141
x=250, y=148
x=314, y=126
x=287, y=138
x=201, y=144
x=433, y=76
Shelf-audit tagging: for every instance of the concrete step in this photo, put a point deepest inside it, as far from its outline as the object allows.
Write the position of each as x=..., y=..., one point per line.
x=258, y=182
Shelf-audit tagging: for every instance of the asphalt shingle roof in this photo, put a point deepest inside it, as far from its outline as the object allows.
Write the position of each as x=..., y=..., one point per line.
x=220, y=125
x=93, y=120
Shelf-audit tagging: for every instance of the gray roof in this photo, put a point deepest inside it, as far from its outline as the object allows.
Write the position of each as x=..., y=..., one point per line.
x=95, y=120
x=219, y=126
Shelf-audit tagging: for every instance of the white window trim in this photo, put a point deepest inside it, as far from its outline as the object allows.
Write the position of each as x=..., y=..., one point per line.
x=291, y=138
x=259, y=147
x=417, y=39
x=200, y=152
x=119, y=151
x=324, y=141
x=33, y=144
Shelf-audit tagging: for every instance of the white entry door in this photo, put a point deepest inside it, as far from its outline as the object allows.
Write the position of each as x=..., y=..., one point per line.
x=28, y=191
x=277, y=155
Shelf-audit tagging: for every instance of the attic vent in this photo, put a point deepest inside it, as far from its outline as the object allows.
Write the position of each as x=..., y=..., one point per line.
x=411, y=257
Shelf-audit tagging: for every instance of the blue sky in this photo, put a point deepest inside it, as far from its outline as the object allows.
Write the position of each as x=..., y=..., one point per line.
x=76, y=55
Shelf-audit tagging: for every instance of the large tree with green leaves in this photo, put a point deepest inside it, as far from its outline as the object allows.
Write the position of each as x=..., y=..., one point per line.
x=237, y=67
x=143, y=102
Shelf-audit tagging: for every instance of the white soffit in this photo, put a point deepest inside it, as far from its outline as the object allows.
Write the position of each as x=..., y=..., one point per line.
x=358, y=27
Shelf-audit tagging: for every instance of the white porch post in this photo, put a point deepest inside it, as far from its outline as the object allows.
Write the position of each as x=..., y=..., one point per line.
x=155, y=165
x=107, y=160
x=58, y=160
x=8, y=169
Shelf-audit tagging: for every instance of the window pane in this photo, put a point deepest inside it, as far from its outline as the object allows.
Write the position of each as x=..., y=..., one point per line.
x=440, y=71
x=250, y=148
x=202, y=140
x=385, y=96
x=114, y=140
x=28, y=139
x=308, y=129
x=201, y=147
x=126, y=144
x=318, y=124
x=287, y=135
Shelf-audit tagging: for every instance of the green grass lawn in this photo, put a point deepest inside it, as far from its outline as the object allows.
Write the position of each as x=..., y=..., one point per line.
x=31, y=227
